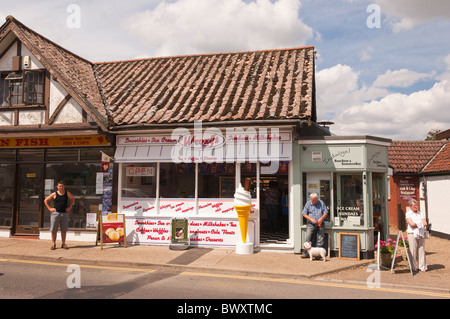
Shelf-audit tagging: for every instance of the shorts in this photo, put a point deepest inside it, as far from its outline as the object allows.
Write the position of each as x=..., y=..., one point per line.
x=59, y=219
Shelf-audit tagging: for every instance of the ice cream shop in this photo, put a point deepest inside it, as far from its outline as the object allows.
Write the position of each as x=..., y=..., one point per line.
x=190, y=129
x=186, y=132
x=194, y=174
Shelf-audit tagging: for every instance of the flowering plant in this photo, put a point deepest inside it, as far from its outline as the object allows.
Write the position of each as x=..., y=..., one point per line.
x=388, y=246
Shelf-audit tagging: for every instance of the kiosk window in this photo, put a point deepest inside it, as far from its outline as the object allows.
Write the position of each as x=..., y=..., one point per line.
x=350, y=200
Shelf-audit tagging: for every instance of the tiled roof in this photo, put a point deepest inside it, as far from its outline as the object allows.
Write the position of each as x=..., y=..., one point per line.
x=73, y=72
x=260, y=85
x=412, y=156
x=441, y=162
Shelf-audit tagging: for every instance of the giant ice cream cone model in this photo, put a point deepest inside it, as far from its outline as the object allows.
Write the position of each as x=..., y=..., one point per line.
x=243, y=206
x=243, y=213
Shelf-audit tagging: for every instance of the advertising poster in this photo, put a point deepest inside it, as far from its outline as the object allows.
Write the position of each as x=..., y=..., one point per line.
x=113, y=229
x=407, y=189
x=201, y=232
x=180, y=230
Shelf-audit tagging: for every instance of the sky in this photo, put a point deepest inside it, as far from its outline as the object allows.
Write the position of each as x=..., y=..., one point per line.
x=382, y=67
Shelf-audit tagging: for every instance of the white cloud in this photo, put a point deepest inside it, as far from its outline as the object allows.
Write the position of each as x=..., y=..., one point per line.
x=338, y=88
x=399, y=116
x=360, y=110
x=400, y=78
x=199, y=26
x=366, y=54
x=406, y=14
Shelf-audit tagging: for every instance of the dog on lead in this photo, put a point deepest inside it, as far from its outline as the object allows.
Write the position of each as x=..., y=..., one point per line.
x=314, y=251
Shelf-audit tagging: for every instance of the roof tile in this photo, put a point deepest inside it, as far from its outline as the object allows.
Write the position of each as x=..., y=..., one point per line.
x=272, y=84
x=441, y=162
x=412, y=156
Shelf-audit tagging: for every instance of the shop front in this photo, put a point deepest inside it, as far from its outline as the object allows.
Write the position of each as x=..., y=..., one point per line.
x=29, y=170
x=350, y=175
x=193, y=174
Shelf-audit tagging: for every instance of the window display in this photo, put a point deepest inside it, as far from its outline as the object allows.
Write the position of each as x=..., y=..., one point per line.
x=350, y=200
x=216, y=180
x=139, y=180
x=177, y=180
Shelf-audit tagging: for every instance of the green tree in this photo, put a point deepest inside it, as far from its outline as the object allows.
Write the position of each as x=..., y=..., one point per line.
x=431, y=136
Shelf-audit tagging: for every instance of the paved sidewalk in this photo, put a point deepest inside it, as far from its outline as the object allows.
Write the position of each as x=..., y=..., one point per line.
x=262, y=263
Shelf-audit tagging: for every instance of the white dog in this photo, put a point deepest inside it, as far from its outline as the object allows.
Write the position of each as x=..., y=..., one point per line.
x=314, y=251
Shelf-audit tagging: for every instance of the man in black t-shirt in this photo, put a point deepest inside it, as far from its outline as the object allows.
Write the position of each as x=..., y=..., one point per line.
x=62, y=204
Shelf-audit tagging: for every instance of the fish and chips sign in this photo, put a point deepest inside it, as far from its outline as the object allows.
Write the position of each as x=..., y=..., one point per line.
x=54, y=141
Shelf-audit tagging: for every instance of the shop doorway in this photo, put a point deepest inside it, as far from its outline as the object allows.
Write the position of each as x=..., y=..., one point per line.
x=28, y=199
x=274, y=211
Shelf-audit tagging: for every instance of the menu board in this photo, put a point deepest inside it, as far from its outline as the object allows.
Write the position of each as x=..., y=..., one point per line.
x=112, y=229
x=349, y=246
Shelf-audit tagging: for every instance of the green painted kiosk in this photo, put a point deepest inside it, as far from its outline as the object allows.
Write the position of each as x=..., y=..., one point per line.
x=350, y=174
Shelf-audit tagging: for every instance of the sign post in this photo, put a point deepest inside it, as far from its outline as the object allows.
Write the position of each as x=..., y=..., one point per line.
x=400, y=234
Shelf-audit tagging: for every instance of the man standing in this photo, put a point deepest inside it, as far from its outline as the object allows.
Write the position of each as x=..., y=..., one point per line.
x=63, y=202
x=315, y=211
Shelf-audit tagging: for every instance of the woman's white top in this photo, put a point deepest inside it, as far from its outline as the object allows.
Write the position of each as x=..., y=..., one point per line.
x=417, y=218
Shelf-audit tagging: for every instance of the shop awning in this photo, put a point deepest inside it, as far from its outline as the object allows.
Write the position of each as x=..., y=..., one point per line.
x=163, y=154
x=237, y=146
x=140, y=154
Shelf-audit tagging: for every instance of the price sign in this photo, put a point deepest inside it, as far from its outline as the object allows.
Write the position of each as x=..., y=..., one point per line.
x=349, y=246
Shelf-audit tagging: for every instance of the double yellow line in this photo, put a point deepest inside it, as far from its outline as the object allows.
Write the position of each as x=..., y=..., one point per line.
x=265, y=279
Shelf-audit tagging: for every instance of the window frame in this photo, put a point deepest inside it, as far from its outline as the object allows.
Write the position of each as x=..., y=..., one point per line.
x=24, y=83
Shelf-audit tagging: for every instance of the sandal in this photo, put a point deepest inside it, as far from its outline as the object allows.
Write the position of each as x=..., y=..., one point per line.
x=53, y=247
x=64, y=246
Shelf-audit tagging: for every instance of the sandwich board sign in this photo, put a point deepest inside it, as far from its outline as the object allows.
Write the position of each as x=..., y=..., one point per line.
x=349, y=246
x=400, y=234
x=179, y=238
x=111, y=229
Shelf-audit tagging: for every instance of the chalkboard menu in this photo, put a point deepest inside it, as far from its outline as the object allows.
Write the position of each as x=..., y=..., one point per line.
x=349, y=246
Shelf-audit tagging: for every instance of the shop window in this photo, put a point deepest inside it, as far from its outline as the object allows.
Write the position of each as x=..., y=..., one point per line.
x=92, y=154
x=65, y=155
x=7, y=156
x=30, y=155
x=80, y=180
x=139, y=180
x=350, y=200
x=248, y=170
x=25, y=88
x=177, y=180
x=216, y=180
x=378, y=196
x=6, y=193
x=319, y=183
